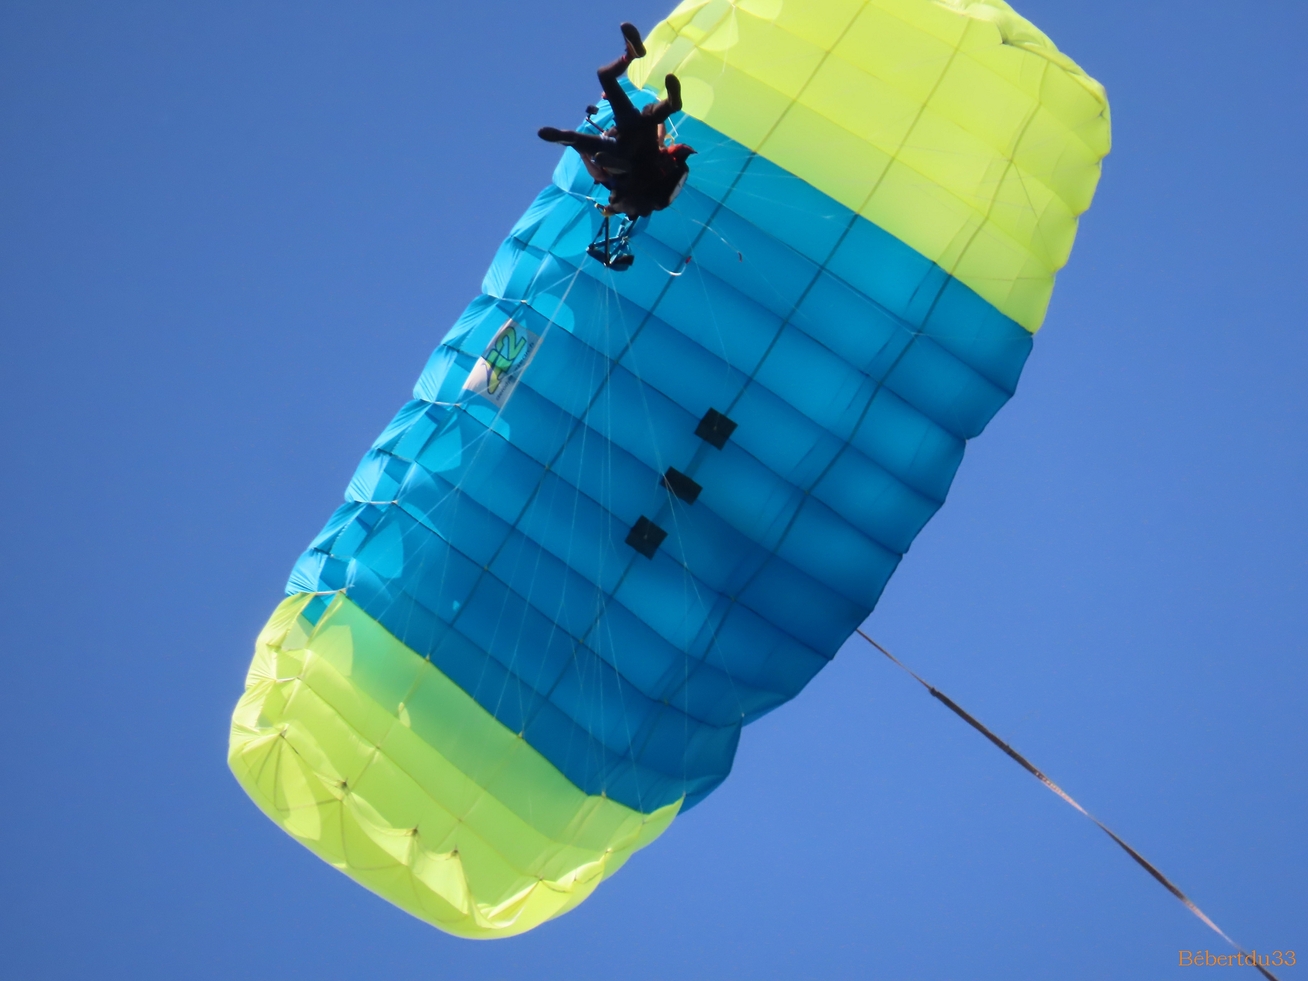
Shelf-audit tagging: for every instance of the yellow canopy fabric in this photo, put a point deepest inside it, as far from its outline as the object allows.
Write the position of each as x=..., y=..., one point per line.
x=368, y=755
x=957, y=127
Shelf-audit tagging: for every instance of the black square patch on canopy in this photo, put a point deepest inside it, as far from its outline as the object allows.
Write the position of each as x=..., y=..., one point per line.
x=715, y=428
x=681, y=485
x=646, y=537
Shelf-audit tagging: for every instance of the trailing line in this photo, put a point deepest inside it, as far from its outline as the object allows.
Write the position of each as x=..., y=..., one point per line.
x=1022, y=761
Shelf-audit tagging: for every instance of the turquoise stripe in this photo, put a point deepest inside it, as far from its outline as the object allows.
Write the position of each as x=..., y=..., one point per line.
x=855, y=371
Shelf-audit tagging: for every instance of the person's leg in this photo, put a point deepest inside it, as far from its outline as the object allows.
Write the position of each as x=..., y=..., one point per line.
x=597, y=173
x=660, y=111
x=583, y=142
x=624, y=113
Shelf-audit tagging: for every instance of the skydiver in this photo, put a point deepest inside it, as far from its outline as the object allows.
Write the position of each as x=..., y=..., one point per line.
x=630, y=158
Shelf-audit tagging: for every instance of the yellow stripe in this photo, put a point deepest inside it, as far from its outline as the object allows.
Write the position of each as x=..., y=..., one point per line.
x=369, y=756
x=956, y=126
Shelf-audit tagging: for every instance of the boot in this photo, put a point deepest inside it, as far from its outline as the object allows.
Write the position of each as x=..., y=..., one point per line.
x=551, y=135
x=635, y=46
x=673, y=85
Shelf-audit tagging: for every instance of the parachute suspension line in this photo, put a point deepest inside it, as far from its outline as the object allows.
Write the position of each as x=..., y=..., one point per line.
x=425, y=567
x=684, y=263
x=1026, y=764
x=527, y=593
x=740, y=256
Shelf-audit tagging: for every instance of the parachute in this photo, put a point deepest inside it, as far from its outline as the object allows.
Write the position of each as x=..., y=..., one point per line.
x=629, y=510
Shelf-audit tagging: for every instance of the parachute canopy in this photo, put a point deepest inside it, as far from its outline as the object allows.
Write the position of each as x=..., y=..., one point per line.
x=628, y=512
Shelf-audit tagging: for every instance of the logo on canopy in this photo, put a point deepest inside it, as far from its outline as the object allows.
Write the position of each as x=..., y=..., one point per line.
x=497, y=371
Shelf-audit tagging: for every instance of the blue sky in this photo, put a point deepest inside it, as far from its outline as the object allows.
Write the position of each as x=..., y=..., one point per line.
x=230, y=236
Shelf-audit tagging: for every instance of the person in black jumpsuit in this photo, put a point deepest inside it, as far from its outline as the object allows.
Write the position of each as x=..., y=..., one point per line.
x=643, y=176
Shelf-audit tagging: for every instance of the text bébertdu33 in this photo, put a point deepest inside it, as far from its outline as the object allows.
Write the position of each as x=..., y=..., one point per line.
x=1206, y=958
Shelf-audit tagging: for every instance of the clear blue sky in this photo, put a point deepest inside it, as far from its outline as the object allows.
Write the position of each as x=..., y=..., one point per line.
x=231, y=234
